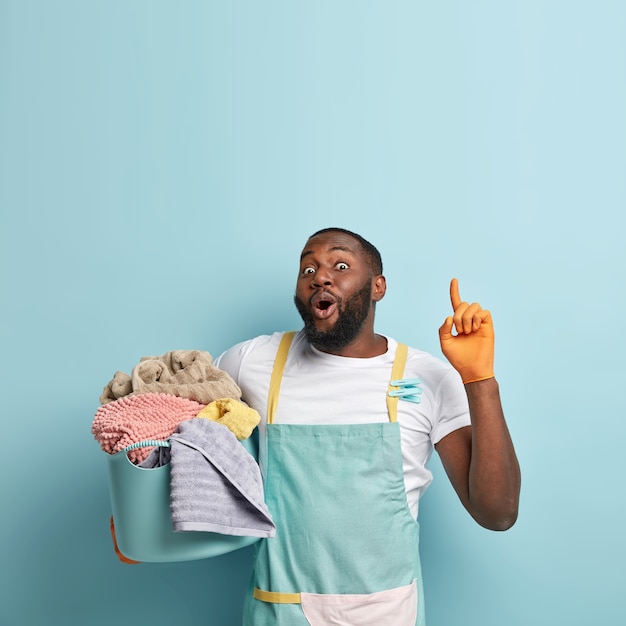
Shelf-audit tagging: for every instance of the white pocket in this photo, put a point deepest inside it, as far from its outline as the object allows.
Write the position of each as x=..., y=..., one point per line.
x=370, y=609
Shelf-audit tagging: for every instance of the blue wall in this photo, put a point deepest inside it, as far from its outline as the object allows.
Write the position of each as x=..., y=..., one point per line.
x=161, y=165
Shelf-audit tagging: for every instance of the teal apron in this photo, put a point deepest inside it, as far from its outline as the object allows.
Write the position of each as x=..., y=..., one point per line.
x=346, y=546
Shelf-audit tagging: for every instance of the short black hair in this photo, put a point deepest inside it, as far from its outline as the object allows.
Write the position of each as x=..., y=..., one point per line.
x=371, y=252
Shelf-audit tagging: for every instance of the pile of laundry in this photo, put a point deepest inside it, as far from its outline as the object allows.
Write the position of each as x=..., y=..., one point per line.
x=160, y=393
x=182, y=398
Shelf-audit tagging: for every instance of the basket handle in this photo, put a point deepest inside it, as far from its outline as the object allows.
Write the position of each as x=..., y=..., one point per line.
x=147, y=443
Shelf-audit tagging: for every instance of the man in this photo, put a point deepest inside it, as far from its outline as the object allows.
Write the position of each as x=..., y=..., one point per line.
x=349, y=420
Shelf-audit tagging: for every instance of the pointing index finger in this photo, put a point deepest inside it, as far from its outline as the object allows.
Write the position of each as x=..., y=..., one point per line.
x=455, y=297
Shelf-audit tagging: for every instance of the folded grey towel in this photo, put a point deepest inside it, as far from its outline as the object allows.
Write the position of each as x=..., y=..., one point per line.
x=216, y=484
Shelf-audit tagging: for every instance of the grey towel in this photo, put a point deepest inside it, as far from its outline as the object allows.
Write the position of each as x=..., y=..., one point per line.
x=158, y=457
x=216, y=484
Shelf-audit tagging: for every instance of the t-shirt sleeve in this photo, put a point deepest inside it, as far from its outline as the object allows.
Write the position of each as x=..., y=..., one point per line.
x=237, y=361
x=452, y=406
x=230, y=360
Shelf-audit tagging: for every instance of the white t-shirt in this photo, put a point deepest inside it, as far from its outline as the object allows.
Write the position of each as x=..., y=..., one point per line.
x=321, y=388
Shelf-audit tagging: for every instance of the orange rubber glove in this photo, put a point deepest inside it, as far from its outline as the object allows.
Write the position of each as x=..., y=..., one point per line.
x=470, y=351
x=120, y=556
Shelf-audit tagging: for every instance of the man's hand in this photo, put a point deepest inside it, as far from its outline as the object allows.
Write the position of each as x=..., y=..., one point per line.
x=470, y=351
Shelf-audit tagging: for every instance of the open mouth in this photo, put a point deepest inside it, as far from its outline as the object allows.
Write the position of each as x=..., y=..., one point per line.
x=323, y=305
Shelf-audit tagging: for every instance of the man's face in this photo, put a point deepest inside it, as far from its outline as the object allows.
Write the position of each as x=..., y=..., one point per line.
x=334, y=290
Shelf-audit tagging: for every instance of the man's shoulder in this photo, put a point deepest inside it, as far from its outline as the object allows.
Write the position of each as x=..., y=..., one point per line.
x=427, y=365
x=265, y=342
x=417, y=354
x=259, y=346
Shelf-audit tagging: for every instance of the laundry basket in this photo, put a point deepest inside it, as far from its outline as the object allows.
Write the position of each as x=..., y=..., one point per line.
x=140, y=501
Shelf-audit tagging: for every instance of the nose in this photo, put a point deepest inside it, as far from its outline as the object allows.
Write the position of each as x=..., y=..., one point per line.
x=321, y=278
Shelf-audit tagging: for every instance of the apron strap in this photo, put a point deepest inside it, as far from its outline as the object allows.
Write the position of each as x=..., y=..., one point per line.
x=277, y=375
x=279, y=367
x=397, y=372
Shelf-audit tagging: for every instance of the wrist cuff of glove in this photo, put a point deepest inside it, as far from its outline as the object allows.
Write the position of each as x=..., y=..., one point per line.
x=475, y=379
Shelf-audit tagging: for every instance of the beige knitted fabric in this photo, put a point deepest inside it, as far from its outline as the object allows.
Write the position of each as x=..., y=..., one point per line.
x=184, y=373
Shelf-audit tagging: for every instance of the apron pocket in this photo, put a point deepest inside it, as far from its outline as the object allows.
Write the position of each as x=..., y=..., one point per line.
x=370, y=609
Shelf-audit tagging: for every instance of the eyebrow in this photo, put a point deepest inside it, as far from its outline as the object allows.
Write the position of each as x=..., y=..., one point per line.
x=333, y=249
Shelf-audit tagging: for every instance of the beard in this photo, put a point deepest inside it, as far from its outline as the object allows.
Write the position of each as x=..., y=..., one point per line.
x=352, y=315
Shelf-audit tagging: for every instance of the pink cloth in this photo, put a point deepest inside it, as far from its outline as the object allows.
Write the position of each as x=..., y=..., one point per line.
x=132, y=419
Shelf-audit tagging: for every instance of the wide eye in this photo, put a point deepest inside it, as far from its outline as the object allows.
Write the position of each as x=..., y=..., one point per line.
x=342, y=266
x=307, y=271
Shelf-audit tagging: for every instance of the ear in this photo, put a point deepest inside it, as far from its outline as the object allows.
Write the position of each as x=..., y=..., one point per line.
x=379, y=287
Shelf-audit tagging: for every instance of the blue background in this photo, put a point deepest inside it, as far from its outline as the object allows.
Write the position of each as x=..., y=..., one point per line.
x=162, y=164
